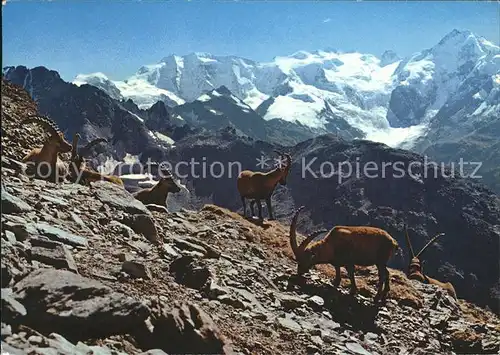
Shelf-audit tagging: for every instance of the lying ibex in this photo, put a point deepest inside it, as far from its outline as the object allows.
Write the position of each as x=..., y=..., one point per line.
x=157, y=195
x=416, y=272
x=346, y=246
x=78, y=172
x=260, y=186
x=44, y=162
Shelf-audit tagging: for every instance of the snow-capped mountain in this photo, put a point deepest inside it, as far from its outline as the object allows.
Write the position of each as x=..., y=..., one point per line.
x=140, y=91
x=221, y=108
x=390, y=100
x=426, y=81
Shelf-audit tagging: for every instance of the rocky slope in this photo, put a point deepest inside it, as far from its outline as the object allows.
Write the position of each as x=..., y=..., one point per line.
x=430, y=199
x=430, y=202
x=90, y=269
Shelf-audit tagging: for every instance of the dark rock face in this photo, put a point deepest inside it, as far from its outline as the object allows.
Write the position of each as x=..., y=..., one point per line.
x=388, y=57
x=220, y=109
x=406, y=107
x=479, y=150
x=60, y=301
x=468, y=128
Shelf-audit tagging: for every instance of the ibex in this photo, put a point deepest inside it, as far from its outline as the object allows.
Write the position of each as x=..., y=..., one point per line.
x=416, y=272
x=346, y=246
x=157, y=194
x=260, y=186
x=78, y=172
x=44, y=162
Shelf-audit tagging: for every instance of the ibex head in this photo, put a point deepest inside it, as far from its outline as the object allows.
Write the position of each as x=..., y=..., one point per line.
x=284, y=169
x=305, y=259
x=56, y=136
x=415, y=266
x=167, y=179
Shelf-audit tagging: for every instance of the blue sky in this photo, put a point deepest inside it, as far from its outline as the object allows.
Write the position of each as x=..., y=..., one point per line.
x=117, y=37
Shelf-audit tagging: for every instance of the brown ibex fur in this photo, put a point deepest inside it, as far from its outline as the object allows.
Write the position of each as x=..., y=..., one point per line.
x=48, y=154
x=260, y=186
x=416, y=272
x=157, y=194
x=78, y=172
x=346, y=246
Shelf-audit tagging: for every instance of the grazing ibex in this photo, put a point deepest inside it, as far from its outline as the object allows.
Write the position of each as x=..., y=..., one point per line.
x=416, y=272
x=44, y=162
x=346, y=246
x=260, y=186
x=78, y=172
x=157, y=195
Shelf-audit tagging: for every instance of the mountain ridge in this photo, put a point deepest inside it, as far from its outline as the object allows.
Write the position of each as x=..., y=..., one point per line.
x=354, y=84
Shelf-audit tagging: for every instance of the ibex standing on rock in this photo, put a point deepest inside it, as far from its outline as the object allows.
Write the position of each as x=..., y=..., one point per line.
x=44, y=162
x=260, y=186
x=415, y=270
x=78, y=172
x=346, y=246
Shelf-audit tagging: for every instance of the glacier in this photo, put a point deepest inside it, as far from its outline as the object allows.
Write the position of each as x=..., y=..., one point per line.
x=391, y=100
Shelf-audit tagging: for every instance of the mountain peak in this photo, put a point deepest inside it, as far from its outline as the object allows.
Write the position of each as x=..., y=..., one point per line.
x=300, y=55
x=389, y=57
x=463, y=45
x=223, y=90
x=456, y=36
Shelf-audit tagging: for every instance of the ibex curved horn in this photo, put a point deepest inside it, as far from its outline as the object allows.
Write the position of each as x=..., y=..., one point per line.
x=92, y=143
x=429, y=243
x=74, y=151
x=299, y=249
x=288, y=159
x=409, y=242
x=309, y=238
x=293, y=234
x=278, y=152
x=163, y=169
x=44, y=122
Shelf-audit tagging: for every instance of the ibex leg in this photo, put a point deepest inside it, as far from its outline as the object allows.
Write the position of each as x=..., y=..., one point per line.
x=350, y=271
x=269, y=208
x=244, y=206
x=381, y=281
x=259, y=206
x=252, y=204
x=336, y=281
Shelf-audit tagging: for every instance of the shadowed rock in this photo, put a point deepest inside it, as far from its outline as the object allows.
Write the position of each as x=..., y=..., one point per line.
x=188, y=329
x=78, y=307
